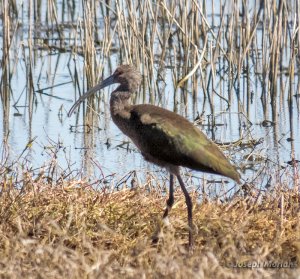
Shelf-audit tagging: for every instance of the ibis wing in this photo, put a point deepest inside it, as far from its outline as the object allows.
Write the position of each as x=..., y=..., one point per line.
x=173, y=139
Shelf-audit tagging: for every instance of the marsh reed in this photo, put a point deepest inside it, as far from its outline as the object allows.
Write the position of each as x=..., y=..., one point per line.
x=167, y=36
x=196, y=59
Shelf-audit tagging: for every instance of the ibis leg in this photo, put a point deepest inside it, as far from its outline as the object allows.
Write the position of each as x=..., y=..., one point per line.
x=170, y=200
x=189, y=205
x=170, y=203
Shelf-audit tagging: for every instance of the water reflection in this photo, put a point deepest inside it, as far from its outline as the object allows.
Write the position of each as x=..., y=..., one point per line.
x=233, y=96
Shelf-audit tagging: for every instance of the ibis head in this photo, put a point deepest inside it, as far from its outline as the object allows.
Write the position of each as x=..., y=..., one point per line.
x=125, y=75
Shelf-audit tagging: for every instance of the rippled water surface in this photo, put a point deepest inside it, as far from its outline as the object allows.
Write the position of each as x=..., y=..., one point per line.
x=47, y=77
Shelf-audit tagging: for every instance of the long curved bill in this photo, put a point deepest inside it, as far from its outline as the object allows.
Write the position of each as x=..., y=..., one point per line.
x=108, y=81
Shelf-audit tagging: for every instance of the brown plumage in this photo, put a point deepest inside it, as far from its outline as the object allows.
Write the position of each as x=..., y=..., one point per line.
x=163, y=137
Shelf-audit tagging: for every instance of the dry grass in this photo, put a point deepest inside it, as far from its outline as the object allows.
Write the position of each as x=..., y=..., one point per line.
x=74, y=231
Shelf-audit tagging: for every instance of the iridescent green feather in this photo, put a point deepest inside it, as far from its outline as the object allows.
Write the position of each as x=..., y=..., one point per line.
x=177, y=141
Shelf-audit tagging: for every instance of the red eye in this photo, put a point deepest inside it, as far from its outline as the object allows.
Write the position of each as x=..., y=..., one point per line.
x=117, y=73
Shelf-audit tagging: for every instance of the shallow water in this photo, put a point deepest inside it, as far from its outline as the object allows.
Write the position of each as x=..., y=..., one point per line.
x=104, y=150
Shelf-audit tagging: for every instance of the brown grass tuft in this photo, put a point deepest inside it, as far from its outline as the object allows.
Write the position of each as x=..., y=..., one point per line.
x=78, y=232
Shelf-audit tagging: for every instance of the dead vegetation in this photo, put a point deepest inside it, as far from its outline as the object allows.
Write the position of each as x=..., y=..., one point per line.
x=71, y=230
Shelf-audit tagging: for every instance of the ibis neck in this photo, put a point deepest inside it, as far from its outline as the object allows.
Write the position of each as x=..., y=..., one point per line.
x=119, y=100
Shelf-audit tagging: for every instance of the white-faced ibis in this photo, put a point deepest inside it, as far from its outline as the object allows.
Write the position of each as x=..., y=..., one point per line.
x=163, y=137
